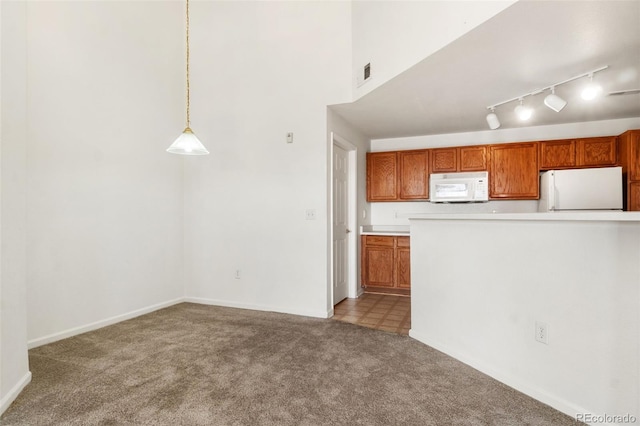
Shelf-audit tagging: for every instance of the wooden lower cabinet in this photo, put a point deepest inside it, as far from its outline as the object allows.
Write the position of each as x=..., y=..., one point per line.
x=386, y=264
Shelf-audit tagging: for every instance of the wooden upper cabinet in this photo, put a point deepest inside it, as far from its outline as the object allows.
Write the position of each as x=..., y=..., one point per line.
x=557, y=154
x=513, y=171
x=472, y=158
x=629, y=150
x=597, y=151
x=578, y=153
x=444, y=160
x=382, y=176
x=398, y=175
x=633, y=171
x=414, y=175
x=633, y=196
x=459, y=159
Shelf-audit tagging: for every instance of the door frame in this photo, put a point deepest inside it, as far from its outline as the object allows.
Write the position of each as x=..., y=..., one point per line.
x=352, y=203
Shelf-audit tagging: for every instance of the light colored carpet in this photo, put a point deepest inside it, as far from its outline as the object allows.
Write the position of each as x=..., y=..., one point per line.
x=203, y=365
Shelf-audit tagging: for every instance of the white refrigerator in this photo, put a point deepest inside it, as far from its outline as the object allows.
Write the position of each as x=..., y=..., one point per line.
x=581, y=189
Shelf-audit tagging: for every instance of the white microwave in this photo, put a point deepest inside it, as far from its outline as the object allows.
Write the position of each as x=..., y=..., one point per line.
x=459, y=187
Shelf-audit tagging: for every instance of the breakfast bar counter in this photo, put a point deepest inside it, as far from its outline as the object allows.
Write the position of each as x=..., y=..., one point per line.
x=482, y=284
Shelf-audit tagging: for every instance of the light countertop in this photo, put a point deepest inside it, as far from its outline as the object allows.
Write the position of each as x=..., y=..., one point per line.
x=390, y=230
x=593, y=216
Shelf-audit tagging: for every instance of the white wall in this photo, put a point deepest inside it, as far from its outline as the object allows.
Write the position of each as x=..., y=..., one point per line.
x=104, y=208
x=337, y=126
x=479, y=286
x=260, y=70
x=14, y=368
x=398, y=213
x=395, y=35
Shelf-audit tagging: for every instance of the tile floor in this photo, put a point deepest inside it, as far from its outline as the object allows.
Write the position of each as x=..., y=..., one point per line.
x=380, y=311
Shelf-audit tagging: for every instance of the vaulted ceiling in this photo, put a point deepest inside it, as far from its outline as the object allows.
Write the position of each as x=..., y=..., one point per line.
x=528, y=46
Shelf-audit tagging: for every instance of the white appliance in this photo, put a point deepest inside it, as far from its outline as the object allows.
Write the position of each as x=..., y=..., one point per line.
x=459, y=187
x=581, y=189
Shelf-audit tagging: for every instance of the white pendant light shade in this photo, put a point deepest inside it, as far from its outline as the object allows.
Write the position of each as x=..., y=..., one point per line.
x=554, y=101
x=492, y=120
x=187, y=144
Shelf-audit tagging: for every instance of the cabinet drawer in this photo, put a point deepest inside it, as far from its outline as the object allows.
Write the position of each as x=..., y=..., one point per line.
x=377, y=240
x=403, y=241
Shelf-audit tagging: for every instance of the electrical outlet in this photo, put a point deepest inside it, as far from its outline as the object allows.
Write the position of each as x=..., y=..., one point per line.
x=237, y=275
x=542, y=333
x=310, y=214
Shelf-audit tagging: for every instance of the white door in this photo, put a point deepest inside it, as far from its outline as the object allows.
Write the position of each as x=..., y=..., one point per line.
x=340, y=224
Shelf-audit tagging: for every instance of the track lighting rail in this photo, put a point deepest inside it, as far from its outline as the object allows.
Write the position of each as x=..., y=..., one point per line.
x=551, y=86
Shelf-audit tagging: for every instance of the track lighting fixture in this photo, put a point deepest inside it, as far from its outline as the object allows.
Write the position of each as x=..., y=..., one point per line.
x=591, y=90
x=523, y=112
x=492, y=120
x=552, y=100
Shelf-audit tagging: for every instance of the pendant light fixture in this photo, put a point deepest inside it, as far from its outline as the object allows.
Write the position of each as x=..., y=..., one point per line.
x=188, y=143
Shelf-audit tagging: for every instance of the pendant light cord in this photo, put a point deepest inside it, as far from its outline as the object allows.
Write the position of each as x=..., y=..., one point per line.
x=188, y=85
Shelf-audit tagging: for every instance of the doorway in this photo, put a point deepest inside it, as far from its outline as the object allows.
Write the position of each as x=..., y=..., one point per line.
x=343, y=219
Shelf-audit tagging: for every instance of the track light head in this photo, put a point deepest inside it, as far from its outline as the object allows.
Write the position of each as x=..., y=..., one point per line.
x=523, y=112
x=554, y=101
x=492, y=120
x=591, y=90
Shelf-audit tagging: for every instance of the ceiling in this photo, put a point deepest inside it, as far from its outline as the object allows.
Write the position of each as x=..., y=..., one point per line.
x=528, y=46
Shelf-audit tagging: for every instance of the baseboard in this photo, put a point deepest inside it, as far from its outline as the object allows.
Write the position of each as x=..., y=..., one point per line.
x=541, y=395
x=11, y=396
x=266, y=308
x=99, y=324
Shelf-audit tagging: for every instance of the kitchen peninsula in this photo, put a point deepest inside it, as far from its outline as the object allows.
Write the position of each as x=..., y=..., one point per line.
x=482, y=284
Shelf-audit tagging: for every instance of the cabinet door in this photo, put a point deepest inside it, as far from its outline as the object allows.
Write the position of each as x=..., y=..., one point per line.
x=597, y=152
x=633, y=196
x=633, y=170
x=379, y=266
x=414, y=174
x=444, y=160
x=472, y=158
x=513, y=171
x=557, y=154
x=382, y=176
x=403, y=262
